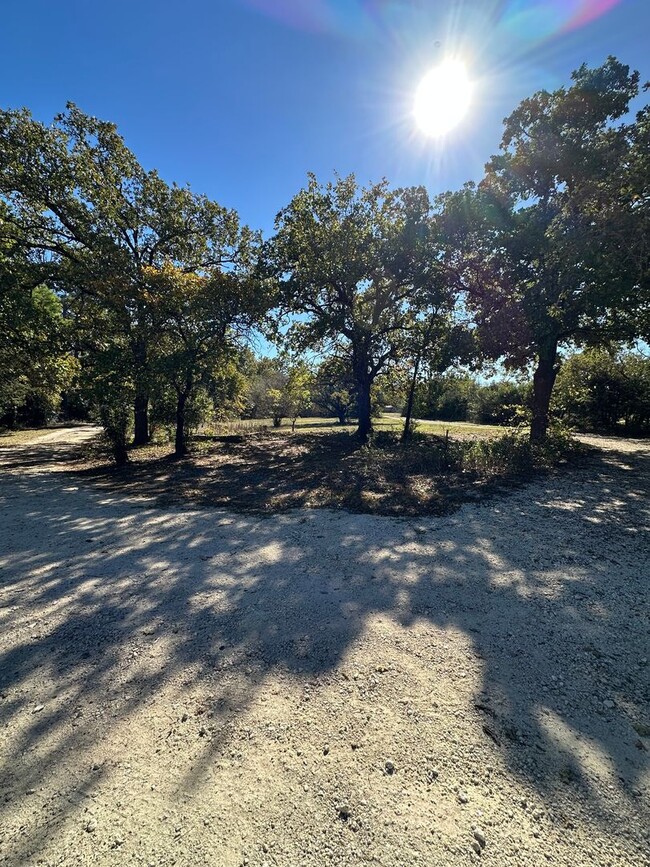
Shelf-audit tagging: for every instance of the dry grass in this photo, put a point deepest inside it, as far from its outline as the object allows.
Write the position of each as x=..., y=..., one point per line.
x=387, y=422
x=20, y=437
x=248, y=466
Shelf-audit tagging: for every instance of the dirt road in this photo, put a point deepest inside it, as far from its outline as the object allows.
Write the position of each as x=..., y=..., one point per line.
x=203, y=688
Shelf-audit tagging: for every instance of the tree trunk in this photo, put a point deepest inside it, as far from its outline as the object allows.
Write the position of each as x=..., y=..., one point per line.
x=141, y=402
x=180, y=443
x=116, y=425
x=406, y=433
x=120, y=453
x=543, y=381
x=11, y=417
x=141, y=419
x=364, y=408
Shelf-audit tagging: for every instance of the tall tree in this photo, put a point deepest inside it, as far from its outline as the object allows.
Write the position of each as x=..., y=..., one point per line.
x=200, y=319
x=433, y=346
x=75, y=193
x=537, y=246
x=354, y=264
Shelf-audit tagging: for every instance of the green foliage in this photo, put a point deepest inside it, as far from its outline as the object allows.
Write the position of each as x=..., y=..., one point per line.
x=357, y=264
x=445, y=397
x=226, y=384
x=606, y=391
x=514, y=455
x=200, y=319
x=510, y=454
x=36, y=365
x=500, y=403
x=108, y=381
x=76, y=196
x=333, y=388
x=124, y=290
x=280, y=389
x=461, y=397
x=537, y=246
x=264, y=381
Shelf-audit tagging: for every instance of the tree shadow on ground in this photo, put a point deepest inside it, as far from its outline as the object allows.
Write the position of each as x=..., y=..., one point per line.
x=269, y=472
x=108, y=602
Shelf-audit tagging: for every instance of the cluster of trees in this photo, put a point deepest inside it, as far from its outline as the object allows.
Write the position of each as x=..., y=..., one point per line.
x=462, y=397
x=606, y=390
x=142, y=296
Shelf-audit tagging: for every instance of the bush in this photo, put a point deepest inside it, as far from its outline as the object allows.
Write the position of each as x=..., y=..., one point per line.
x=508, y=455
x=512, y=454
x=601, y=390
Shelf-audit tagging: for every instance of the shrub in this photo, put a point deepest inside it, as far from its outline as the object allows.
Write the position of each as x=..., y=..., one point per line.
x=512, y=454
x=509, y=454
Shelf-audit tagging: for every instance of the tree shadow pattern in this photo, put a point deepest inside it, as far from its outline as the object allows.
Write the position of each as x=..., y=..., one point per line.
x=549, y=591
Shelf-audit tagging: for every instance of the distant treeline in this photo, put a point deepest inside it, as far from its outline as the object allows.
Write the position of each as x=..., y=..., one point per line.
x=596, y=390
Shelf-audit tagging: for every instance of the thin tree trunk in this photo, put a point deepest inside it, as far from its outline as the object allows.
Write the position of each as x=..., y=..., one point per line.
x=12, y=417
x=141, y=419
x=180, y=441
x=116, y=425
x=120, y=453
x=141, y=402
x=406, y=433
x=543, y=381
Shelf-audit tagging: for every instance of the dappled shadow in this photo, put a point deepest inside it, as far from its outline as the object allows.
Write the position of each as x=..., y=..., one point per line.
x=26, y=457
x=275, y=471
x=108, y=603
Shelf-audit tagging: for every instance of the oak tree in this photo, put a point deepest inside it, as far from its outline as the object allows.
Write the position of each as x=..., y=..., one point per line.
x=539, y=246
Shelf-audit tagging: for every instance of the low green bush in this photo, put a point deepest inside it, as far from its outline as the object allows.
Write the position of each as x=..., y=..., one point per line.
x=512, y=454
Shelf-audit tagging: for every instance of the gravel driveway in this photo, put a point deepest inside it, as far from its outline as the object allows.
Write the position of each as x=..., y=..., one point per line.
x=184, y=687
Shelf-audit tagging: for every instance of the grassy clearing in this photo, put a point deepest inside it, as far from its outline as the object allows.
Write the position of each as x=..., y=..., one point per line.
x=387, y=422
x=457, y=429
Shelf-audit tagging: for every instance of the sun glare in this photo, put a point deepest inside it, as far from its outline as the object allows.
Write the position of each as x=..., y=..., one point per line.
x=442, y=98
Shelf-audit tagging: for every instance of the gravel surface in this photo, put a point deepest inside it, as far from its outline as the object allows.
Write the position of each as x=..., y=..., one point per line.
x=194, y=687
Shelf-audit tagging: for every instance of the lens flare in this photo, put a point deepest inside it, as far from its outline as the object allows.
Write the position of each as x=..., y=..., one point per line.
x=537, y=20
x=531, y=20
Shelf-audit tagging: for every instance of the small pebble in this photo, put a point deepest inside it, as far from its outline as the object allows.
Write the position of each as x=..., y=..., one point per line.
x=479, y=836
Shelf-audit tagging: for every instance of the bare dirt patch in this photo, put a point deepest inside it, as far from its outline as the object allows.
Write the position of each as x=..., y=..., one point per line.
x=193, y=686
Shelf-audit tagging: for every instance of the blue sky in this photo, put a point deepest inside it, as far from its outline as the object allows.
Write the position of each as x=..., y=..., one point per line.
x=241, y=98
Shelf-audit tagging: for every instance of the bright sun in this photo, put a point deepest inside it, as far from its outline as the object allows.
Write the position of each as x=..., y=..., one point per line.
x=442, y=98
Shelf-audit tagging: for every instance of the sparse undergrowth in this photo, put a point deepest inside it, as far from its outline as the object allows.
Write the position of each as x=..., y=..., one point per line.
x=268, y=471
